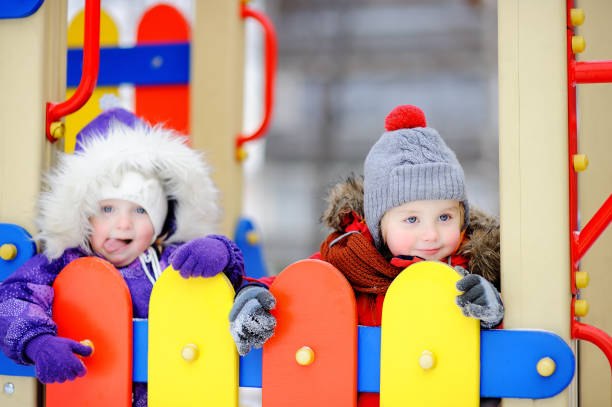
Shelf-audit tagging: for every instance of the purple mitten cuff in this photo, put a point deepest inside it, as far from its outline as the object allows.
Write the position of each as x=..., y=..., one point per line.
x=235, y=267
x=30, y=339
x=33, y=346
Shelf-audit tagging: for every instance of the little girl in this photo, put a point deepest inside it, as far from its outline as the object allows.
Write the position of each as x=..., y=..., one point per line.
x=134, y=195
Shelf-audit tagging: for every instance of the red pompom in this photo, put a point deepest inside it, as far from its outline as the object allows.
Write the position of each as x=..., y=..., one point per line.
x=405, y=117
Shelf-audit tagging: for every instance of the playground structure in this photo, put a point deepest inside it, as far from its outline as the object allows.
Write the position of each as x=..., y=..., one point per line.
x=530, y=126
x=311, y=359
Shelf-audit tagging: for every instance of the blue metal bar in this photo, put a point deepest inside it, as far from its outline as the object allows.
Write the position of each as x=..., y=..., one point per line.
x=507, y=367
x=252, y=252
x=17, y=236
x=19, y=8
x=140, y=331
x=162, y=64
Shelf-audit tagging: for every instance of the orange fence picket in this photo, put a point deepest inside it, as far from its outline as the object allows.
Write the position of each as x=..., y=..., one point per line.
x=312, y=358
x=93, y=302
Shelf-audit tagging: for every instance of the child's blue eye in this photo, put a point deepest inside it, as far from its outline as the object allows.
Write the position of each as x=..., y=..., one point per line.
x=140, y=210
x=107, y=209
x=444, y=217
x=411, y=219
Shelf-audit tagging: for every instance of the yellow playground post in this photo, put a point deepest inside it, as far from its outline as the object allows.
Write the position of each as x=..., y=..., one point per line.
x=32, y=73
x=553, y=206
x=533, y=171
x=216, y=98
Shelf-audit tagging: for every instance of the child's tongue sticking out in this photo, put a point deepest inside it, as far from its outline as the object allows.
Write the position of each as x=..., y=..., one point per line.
x=113, y=245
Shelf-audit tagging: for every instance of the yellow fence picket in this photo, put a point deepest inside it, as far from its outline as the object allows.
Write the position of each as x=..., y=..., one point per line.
x=192, y=358
x=430, y=352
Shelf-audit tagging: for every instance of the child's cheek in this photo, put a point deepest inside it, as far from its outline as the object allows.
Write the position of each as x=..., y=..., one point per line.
x=400, y=243
x=99, y=230
x=453, y=238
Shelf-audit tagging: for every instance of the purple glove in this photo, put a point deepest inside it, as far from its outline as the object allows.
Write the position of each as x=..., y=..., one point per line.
x=54, y=358
x=205, y=257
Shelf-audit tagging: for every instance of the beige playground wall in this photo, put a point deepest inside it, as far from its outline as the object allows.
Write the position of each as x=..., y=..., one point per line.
x=533, y=170
x=28, y=79
x=32, y=72
x=217, y=70
x=594, y=187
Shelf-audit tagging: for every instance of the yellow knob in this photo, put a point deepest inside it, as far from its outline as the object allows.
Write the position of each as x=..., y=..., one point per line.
x=8, y=251
x=427, y=360
x=89, y=343
x=576, y=16
x=582, y=279
x=190, y=352
x=581, y=308
x=241, y=154
x=304, y=356
x=578, y=44
x=546, y=367
x=57, y=130
x=252, y=237
x=581, y=162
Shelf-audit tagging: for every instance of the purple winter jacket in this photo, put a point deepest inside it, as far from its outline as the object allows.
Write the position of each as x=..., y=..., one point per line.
x=26, y=296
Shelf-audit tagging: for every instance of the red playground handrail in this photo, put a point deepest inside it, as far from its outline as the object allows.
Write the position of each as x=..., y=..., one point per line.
x=271, y=52
x=591, y=231
x=593, y=72
x=594, y=335
x=582, y=239
x=91, y=64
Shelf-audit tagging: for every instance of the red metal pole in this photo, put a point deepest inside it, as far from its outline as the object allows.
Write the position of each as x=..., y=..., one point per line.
x=580, y=241
x=594, y=335
x=593, y=72
x=89, y=77
x=595, y=227
x=572, y=150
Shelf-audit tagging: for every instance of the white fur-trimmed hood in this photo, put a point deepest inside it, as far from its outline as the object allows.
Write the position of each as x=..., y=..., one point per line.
x=70, y=197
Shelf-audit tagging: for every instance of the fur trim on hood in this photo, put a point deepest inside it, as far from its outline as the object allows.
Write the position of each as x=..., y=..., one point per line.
x=481, y=247
x=71, y=194
x=343, y=198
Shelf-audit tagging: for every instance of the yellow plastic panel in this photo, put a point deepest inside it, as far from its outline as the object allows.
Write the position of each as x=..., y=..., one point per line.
x=430, y=352
x=109, y=36
x=192, y=357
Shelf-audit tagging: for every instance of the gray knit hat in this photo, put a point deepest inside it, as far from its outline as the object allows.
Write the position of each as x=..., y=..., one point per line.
x=410, y=162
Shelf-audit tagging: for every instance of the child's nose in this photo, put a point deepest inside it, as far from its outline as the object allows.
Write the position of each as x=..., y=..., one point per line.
x=124, y=221
x=430, y=233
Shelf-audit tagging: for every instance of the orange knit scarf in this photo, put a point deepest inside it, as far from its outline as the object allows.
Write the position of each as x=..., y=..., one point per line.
x=357, y=258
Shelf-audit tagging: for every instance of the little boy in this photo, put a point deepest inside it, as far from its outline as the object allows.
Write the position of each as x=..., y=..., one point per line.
x=411, y=206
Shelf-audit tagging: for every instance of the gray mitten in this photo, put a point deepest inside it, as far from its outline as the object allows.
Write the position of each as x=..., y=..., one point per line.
x=480, y=299
x=251, y=323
